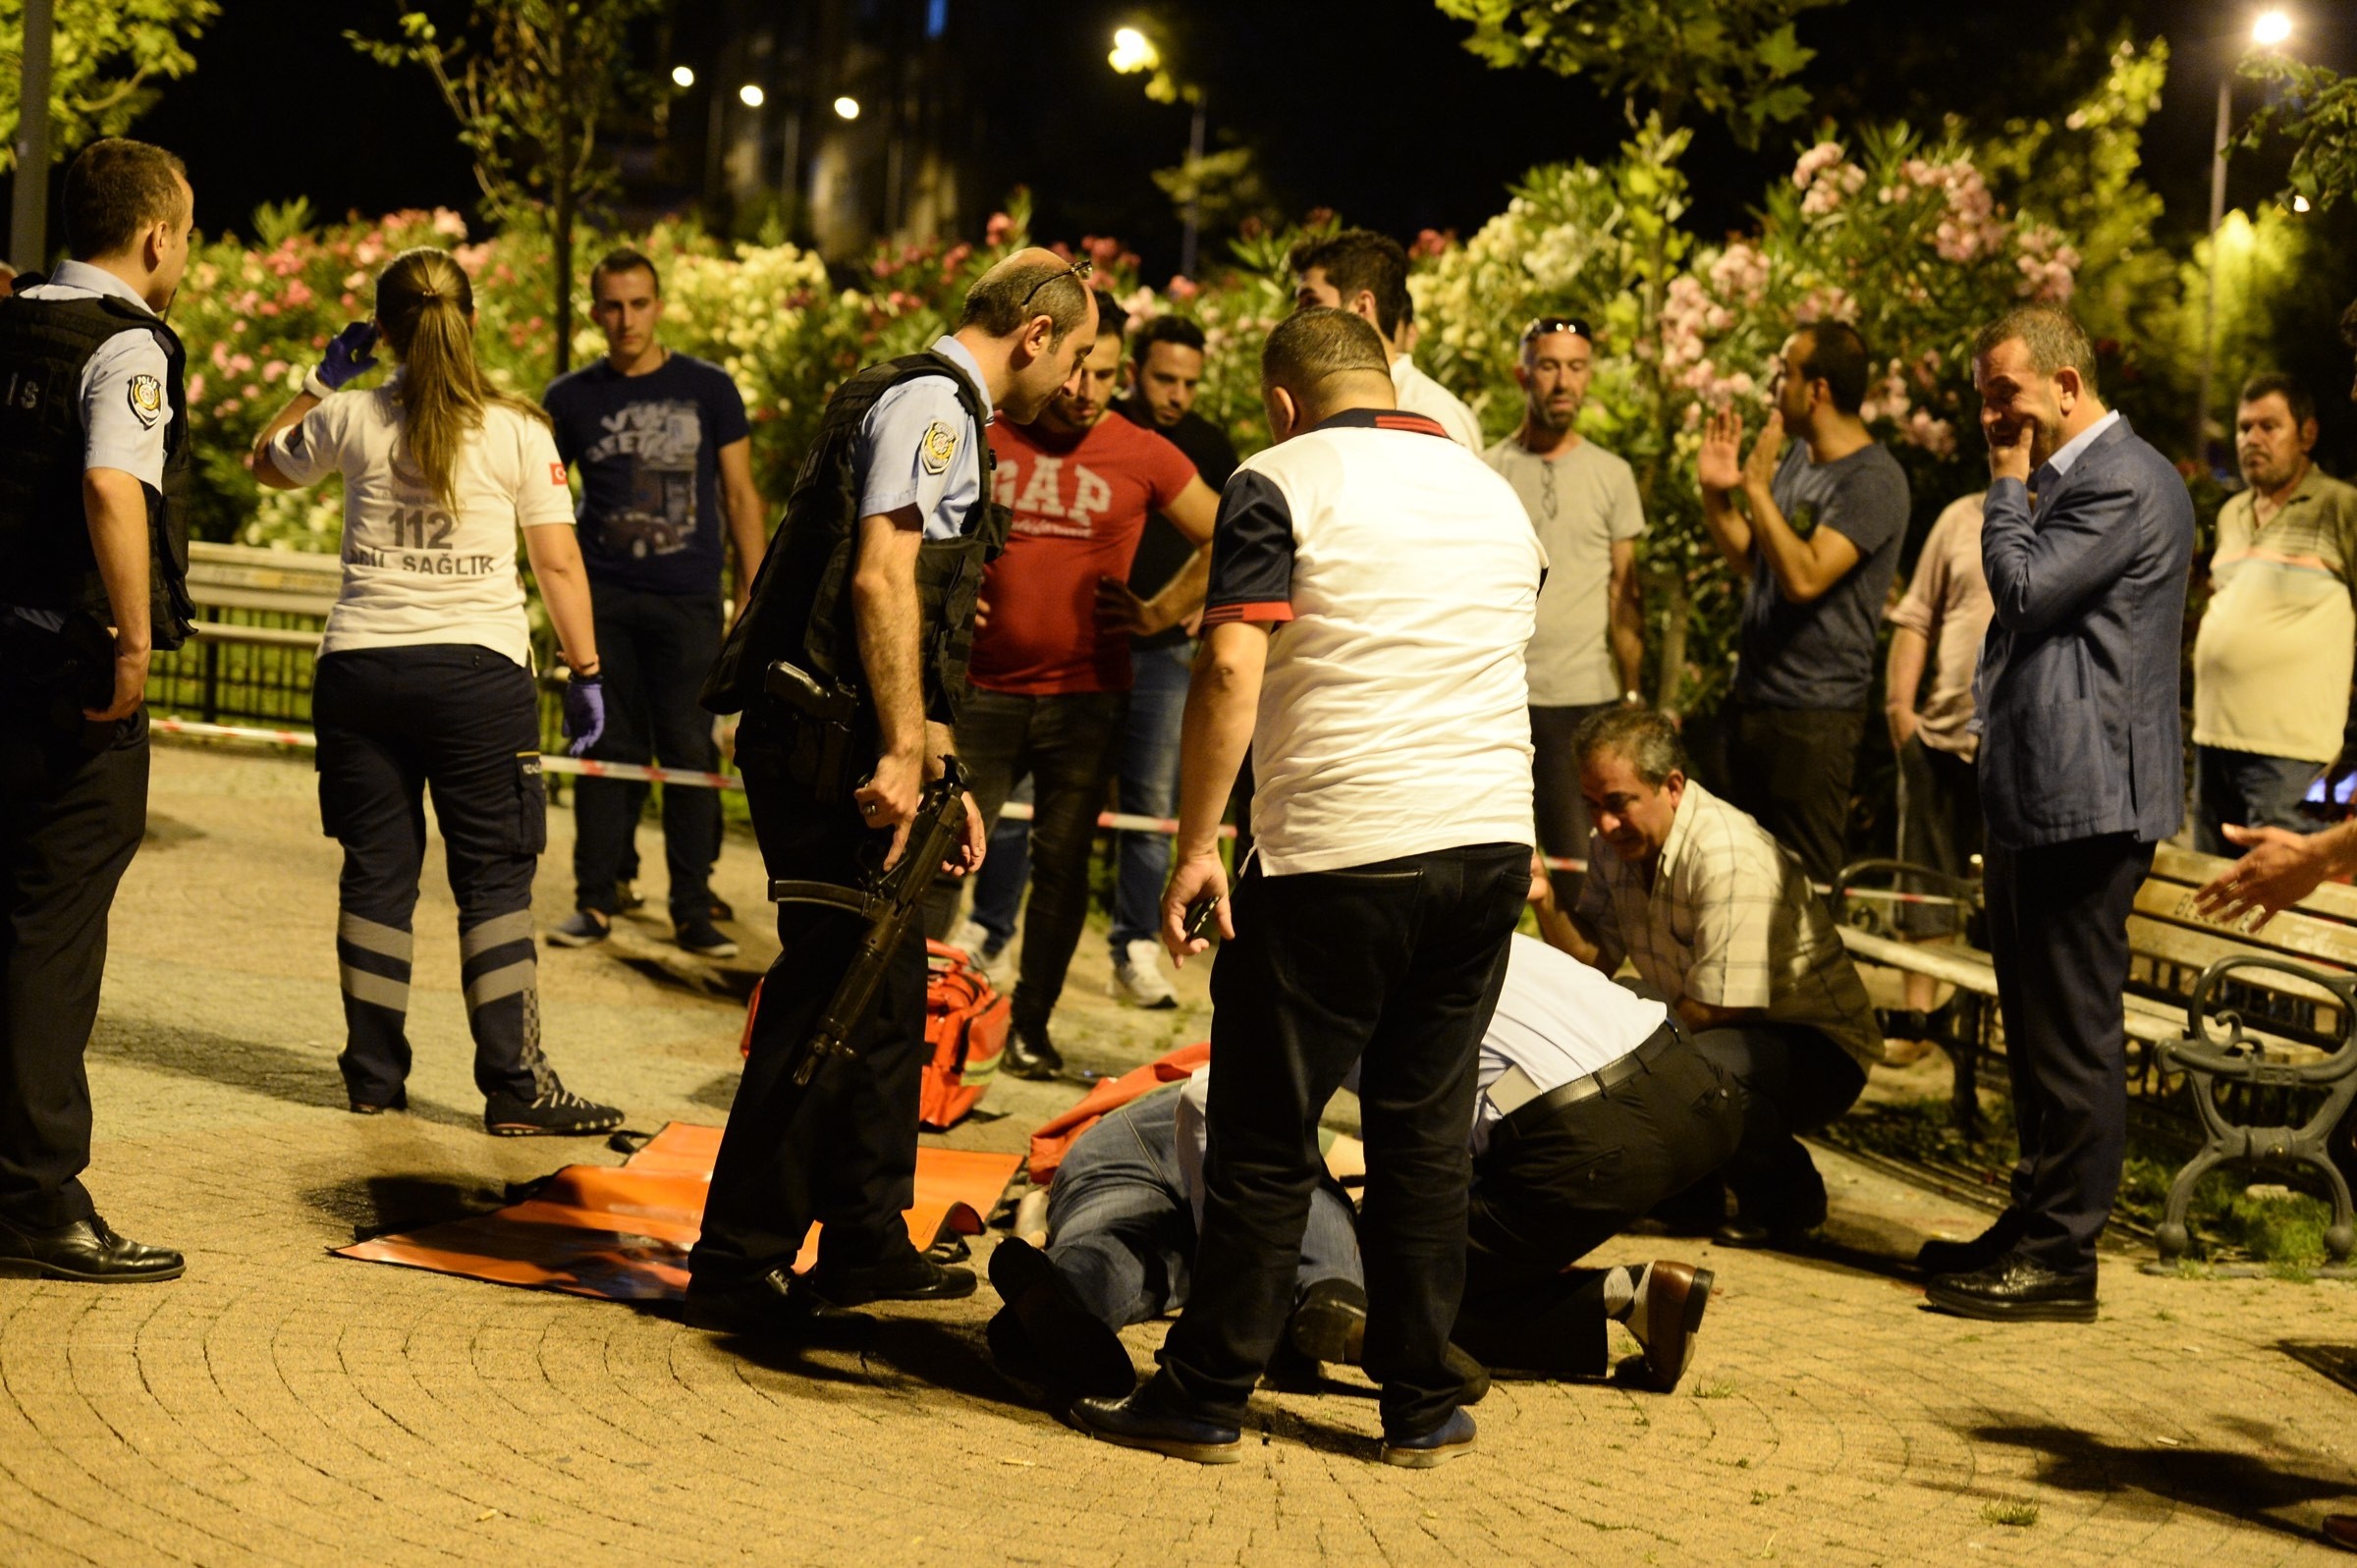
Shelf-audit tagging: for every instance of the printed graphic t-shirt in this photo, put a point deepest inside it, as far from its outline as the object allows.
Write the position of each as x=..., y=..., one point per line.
x=417, y=569
x=648, y=447
x=1080, y=508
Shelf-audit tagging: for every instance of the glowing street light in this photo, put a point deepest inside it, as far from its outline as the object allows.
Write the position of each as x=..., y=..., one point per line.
x=750, y=95
x=2299, y=203
x=847, y=107
x=2270, y=30
x=1132, y=53
x=682, y=77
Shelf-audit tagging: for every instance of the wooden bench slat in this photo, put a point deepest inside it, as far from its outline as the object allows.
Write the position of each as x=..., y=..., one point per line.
x=262, y=600
x=265, y=636
x=2302, y=938
x=2201, y=947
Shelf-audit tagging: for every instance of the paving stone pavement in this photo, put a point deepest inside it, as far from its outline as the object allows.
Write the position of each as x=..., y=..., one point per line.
x=282, y=1406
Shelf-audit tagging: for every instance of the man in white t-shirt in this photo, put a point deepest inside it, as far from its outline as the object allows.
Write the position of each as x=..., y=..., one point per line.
x=1366, y=274
x=1582, y=500
x=1372, y=588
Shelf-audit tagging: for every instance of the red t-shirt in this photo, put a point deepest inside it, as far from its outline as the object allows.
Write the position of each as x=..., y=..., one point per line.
x=1080, y=508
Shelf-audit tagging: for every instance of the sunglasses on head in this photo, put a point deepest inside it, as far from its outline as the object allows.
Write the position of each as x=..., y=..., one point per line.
x=1544, y=325
x=1081, y=270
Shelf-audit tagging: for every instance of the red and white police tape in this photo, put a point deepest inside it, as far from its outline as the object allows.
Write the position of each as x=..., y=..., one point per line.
x=589, y=767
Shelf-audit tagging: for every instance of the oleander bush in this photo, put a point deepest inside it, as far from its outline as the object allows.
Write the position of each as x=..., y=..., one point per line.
x=1915, y=239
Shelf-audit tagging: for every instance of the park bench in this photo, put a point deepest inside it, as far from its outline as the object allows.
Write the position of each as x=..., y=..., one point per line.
x=259, y=617
x=2257, y=1025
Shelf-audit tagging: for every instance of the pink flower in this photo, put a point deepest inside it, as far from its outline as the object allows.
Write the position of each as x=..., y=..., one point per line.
x=1184, y=289
x=1824, y=156
x=470, y=257
x=448, y=224
x=995, y=232
x=195, y=387
x=1141, y=307
x=299, y=294
x=274, y=370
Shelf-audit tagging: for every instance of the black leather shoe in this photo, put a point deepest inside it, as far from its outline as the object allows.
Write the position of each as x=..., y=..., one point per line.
x=1935, y=1258
x=905, y=1275
x=1772, y=1223
x=774, y=1307
x=2015, y=1289
x=1451, y=1440
x=1139, y=1423
x=1028, y=1053
x=87, y=1251
x=1075, y=1347
x=1330, y=1323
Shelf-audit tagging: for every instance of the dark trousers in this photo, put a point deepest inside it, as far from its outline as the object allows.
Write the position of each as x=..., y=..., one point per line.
x=2058, y=936
x=839, y=1150
x=460, y=720
x=71, y=817
x=1939, y=825
x=1788, y=1079
x=1791, y=769
x=1563, y=811
x=2250, y=791
x=1395, y=966
x=1122, y=1229
x=1068, y=746
x=653, y=650
x=1548, y=1193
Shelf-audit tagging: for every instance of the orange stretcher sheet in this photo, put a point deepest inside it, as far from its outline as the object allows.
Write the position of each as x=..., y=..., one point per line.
x=623, y=1234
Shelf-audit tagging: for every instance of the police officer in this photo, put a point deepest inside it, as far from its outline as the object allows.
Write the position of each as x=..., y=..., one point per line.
x=868, y=588
x=93, y=475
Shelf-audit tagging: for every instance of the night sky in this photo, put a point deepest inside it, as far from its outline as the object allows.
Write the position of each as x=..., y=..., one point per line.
x=1383, y=116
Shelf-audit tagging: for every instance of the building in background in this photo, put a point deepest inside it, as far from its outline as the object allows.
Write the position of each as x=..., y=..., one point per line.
x=838, y=122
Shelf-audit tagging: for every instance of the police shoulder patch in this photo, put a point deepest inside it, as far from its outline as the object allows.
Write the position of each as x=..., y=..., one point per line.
x=146, y=395
x=939, y=446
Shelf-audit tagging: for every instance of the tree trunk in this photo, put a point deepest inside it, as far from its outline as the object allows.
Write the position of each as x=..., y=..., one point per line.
x=1671, y=675
x=561, y=267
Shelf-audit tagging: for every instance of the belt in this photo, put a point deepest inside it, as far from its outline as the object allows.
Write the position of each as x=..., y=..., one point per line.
x=1533, y=1115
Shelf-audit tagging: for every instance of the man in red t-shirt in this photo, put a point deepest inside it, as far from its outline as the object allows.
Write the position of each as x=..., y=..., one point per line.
x=1051, y=662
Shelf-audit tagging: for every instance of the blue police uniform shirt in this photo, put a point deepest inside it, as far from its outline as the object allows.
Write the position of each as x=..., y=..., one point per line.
x=918, y=448
x=126, y=409
x=648, y=447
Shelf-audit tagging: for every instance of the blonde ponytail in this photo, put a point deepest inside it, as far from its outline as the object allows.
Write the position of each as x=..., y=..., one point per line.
x=425, y=308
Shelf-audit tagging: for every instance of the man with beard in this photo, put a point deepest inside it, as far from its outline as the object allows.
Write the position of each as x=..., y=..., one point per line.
x=1582, y=500
x=2272, y=660
x=2081, y=774
x=1816, y=541
x=1051, y=664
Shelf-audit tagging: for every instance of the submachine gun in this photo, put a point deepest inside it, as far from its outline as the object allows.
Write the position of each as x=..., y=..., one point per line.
x=886, y=900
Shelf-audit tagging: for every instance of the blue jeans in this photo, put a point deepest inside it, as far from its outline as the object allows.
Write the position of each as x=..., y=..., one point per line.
x=1147, y=785
x=1006, y=872
x=1122, y=1232
x=2249, y=791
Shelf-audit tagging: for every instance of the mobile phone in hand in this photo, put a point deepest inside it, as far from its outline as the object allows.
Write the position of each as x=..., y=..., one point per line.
x=1200, y=914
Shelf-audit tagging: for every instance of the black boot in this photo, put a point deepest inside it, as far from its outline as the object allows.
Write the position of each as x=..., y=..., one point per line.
x=1028, y=1053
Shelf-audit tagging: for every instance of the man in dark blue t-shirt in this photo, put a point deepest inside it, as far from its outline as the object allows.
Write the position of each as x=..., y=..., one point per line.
x=660, y=439
x=1817, y=538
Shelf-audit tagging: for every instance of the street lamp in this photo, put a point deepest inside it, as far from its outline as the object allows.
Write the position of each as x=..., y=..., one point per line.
x=750, y=95
x=847, y=107
x=683, y=77
x=1133, y=52
x=2270, y=30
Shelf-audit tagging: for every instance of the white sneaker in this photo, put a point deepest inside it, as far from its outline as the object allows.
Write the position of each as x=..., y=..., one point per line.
x=997, y=964
x=1137, y=977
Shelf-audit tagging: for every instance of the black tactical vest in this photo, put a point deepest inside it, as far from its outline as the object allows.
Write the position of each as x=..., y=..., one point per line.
x=45, y=557
x=801, y=608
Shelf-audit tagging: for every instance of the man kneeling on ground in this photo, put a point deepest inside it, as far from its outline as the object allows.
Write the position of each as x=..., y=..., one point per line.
x=1721, y=919
x=1594, y=1107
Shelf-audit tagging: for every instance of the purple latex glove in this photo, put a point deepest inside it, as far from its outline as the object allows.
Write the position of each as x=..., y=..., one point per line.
x=584, y=713
x=351, y=353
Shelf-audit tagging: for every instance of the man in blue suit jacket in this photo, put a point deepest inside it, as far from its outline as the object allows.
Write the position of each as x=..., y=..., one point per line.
x=2086, y=541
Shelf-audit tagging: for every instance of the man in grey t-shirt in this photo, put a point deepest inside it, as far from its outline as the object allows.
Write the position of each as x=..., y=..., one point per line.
x=1817, y=535
x=1582, y=502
